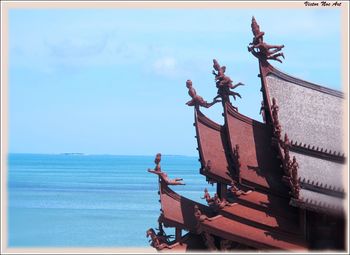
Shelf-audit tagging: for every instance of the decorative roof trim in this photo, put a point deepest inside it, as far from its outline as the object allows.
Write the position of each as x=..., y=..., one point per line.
x=206, y=121
x=316, y=206
x=322, y=188
x=246, y=119
x=303, y=83
x=317, y=152
x=215, y=178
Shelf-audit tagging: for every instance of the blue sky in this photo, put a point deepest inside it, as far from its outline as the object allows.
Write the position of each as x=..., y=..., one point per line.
x=113, y=81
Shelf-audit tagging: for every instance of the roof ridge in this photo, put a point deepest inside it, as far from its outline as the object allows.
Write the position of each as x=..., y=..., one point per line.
x=242, y=117
x=207, y=121
x=304, y=83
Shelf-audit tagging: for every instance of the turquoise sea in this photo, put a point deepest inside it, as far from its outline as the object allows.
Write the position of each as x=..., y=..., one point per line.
x=68, y=200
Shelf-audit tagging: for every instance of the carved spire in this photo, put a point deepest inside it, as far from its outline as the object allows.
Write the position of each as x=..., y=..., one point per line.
x=256, y=29
x=224, y=83
x=260, y=49
x=197, y=100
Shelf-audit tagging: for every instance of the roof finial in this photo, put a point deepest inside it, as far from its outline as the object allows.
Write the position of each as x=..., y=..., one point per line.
x=260, y=49
x=196, y=99
x=224, y=83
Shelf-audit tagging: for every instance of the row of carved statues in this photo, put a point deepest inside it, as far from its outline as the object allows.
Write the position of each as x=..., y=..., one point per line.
x=290, y=166
x=224, y=83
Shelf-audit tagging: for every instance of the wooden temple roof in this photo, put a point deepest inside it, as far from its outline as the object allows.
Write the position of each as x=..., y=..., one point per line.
x=305, y=170
x=239, y=222
x=178, y=211
x=251, y=236
x=309, y=113
x=259, y=165
x=312, y=117
x=212, y=149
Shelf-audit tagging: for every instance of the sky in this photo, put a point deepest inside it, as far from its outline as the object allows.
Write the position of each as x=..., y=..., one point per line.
x=112, y=81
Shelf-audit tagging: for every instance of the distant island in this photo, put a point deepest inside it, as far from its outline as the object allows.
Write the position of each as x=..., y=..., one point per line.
x=72, y=153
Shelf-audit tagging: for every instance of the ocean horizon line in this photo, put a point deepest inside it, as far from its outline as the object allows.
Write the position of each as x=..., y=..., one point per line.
x=100, y=154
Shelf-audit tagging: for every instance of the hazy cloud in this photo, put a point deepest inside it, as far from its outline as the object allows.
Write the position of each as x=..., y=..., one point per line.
x=165, y=66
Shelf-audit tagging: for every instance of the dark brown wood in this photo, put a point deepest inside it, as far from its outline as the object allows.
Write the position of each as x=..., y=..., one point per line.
x=322, y=189
x=267, y=215
x=317, y=152
x=178, y=234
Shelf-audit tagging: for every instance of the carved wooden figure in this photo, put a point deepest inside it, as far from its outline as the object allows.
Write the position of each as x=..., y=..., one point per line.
x=261, y=49
x=236, y=191
x=224, y=83
x=207, y=197
x=196, y=99
x=158, y=242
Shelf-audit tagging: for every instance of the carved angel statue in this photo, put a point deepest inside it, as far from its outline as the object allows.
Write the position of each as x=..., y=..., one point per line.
x=201, y=217
x=157, y=170
x=224, y=83
x=261, y=49
x=274, y=110
x=286, y=158
x=207, y=197
x=220, y=204
x=196, y=99
x=294, y=182
x=165, y=178
x=236, y=191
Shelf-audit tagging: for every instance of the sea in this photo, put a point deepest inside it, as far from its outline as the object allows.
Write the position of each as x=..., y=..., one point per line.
x=78, y=200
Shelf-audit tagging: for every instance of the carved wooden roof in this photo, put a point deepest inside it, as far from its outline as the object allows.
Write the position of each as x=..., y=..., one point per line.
x=257, y=220
x=178, y=211
x=212, y=149
x=307, y=113
x=305, y=169
x=259, y=164
x=312, y=117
